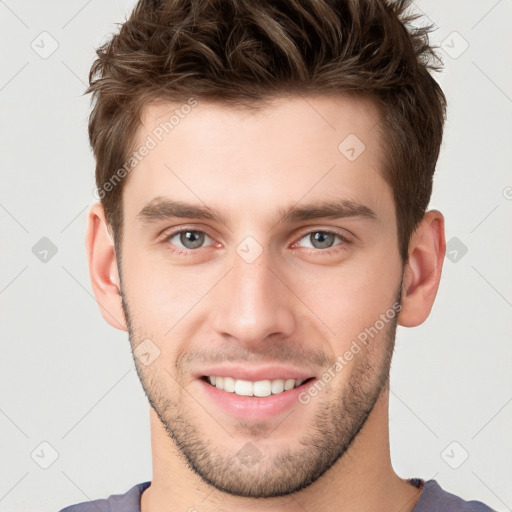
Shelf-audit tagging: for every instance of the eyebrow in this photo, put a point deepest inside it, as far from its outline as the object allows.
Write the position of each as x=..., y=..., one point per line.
x=161, y=208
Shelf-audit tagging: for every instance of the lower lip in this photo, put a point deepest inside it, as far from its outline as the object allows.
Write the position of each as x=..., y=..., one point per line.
x=252, y=407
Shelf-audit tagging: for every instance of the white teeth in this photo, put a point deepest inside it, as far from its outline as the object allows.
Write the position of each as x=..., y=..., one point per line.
x=288, y=384
x=229, y=384
x=262, y=388
x=259, y=388
x=244, y=387
x=277, y=386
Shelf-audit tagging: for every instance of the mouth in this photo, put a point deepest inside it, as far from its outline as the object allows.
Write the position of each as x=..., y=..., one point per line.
x=254, y=401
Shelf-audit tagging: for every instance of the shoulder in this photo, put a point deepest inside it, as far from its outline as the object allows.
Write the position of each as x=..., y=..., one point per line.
x=435, y=499
x=127, y=502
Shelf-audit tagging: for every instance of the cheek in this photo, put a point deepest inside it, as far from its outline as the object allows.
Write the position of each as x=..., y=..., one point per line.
x=352, y=296
x=162, y=294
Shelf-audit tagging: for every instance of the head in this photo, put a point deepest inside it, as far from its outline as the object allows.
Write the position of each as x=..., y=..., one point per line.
x=276, y=216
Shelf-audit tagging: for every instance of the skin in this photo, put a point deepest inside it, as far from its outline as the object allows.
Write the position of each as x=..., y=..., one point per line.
x=295, y=302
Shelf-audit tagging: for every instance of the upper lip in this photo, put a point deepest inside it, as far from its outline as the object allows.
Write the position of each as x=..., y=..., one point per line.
x=246, y=372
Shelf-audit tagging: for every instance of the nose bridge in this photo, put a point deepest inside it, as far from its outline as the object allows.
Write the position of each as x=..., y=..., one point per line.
x=254, y=302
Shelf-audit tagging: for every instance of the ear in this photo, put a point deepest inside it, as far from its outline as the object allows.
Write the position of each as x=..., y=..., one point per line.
x=423, y=270
x=103, y=268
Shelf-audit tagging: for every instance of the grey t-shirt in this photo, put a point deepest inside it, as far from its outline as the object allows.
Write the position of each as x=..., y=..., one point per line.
x=432, y=499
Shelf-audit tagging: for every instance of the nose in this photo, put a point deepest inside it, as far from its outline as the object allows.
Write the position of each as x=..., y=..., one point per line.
x=252, y=303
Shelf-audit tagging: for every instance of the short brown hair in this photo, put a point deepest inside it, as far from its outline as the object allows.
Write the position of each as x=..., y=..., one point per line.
x=243, y=51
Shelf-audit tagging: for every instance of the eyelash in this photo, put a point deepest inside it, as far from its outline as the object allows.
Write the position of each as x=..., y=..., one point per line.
x=335, y=248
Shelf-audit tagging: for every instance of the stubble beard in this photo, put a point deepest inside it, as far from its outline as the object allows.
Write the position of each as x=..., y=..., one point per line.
x=341, y=413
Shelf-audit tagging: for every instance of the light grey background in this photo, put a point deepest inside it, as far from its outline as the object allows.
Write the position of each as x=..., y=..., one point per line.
x=67, y=377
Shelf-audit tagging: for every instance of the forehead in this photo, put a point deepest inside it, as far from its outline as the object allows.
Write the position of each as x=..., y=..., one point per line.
x=282, y=120
x=248, y=158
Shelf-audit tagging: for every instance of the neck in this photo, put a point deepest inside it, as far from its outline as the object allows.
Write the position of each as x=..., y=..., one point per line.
x=361, y=480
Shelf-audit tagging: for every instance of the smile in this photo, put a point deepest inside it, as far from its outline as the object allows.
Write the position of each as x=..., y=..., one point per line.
x=260, y=388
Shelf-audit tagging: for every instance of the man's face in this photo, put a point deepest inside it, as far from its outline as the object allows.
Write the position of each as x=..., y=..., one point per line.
x=253, y=295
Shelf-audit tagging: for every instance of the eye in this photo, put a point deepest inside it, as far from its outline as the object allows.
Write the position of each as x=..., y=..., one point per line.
x=321, y=239
x=188, y=238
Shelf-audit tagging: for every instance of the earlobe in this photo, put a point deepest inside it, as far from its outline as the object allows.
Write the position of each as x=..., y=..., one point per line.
x=103, y=267
x=423, y=270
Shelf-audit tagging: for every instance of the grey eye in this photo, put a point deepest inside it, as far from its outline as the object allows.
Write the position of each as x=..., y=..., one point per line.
x=321, y=239
x=189, y=239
